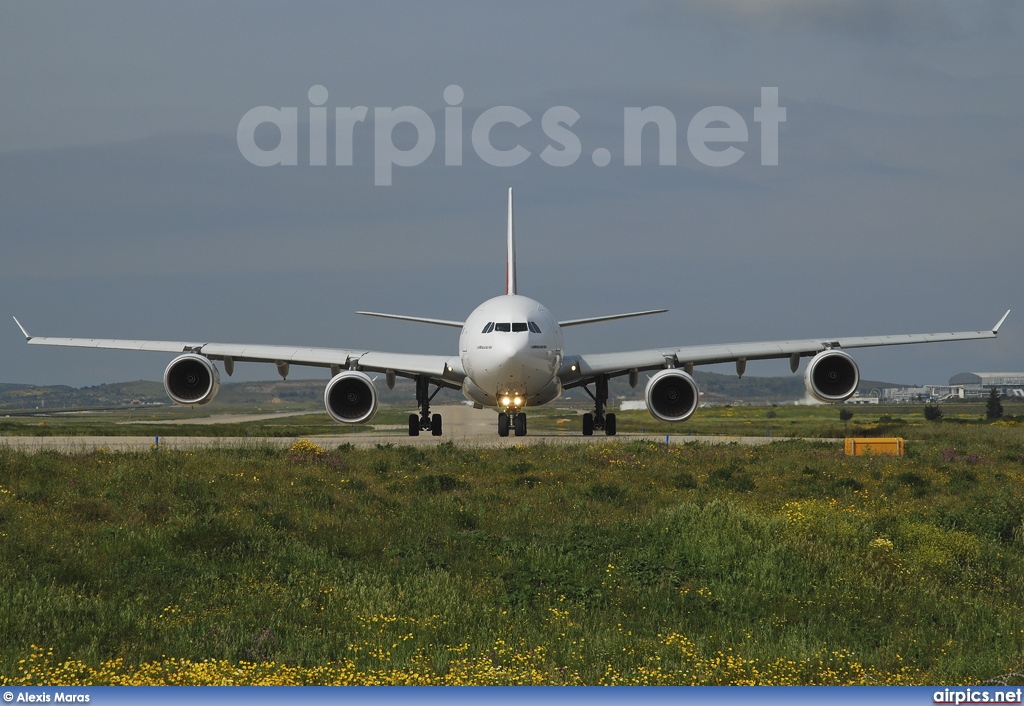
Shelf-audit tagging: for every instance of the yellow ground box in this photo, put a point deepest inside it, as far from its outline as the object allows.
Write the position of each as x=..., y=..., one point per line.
x=868, y=445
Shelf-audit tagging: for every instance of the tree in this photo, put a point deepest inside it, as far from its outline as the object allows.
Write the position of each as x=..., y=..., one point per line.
x=845, y=415
x=993, y=407
x=932, y=412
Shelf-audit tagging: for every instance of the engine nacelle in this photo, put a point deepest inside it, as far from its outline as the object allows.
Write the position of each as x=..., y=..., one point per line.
x=831, y=376
x=191, y=379
x=671, y=395
x=351, y=397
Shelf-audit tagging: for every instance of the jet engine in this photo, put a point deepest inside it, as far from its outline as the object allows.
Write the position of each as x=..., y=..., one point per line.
x=831, y=376
x=351, y=397
x=191, y=379
x=671, y=395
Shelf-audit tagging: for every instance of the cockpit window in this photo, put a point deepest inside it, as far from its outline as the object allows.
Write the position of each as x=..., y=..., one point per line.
x=489, y=327
x=519, y=326
x=503, y=327
x=534, y=327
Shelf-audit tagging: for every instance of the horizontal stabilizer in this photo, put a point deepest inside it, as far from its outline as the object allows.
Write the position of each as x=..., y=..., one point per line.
x=420, y=319
x=612, y=317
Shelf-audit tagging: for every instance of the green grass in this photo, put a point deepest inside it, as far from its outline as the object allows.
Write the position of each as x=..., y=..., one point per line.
x=603, y=559
x=120, y=423
x=818, y=421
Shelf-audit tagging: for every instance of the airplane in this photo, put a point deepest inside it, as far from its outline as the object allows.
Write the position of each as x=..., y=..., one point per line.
x=511, y=358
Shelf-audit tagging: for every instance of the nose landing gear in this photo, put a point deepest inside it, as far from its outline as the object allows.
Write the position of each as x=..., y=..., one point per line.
x=515, y=421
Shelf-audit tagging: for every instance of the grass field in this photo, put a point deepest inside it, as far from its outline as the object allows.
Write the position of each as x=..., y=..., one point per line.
x=616, y=563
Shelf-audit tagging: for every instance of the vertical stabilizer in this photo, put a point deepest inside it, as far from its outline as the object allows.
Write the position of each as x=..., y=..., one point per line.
x=510, y=262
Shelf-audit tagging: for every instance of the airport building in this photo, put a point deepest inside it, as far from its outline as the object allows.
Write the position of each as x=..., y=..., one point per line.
x=926, y=393
x=969, y=385
x=963, y=386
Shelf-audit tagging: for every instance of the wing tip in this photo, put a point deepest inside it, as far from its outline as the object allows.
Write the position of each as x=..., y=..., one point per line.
x=995, y=329
x=23, y=331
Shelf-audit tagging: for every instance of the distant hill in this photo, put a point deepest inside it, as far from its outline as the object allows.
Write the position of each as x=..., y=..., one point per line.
x=716, y=387
x=14, y=397
x=29, y=397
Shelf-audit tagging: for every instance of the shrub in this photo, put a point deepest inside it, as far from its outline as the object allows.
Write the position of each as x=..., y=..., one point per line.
x=605, y=491
x=684, y=480
x=918, y=484
x=961, y=481
x=993, y=407
x=847, y=484
x=441, y=483
x=306, y=448
x=731, y=478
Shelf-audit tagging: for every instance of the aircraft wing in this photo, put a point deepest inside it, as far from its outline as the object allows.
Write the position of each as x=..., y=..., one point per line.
x=580, y=369
x=442, y=369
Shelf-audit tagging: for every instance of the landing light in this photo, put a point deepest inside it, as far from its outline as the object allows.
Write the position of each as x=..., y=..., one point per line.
x=518, y=401
x=506, y=401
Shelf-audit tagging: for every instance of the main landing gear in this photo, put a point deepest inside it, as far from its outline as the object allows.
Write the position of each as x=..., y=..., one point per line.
x=599, y=420
x=516, y=422
x=423, y=421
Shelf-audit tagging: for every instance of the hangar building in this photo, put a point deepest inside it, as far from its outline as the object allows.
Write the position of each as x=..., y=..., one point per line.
x=965, y=385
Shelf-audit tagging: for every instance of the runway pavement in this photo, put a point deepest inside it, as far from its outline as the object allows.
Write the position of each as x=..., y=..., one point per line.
x=463, y=425
x=219, y=419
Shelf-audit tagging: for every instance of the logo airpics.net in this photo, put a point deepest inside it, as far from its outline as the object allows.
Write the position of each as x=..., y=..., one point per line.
x=977, y=696
x=715, y=135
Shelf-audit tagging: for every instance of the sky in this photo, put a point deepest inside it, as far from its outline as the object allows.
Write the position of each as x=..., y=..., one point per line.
x=131, y=207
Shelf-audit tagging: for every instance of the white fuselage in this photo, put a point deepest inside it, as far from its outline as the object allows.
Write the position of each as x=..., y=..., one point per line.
x=511, y=349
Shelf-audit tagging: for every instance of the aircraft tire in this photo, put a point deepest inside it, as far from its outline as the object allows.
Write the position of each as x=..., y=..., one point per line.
x=609, y=424
x=502, y=424
x=520, y=424
x=414, y=425
x=588, y=424
x=435, y=425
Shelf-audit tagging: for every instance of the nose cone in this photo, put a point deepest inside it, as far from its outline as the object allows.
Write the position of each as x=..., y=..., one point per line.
x=514, y=366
